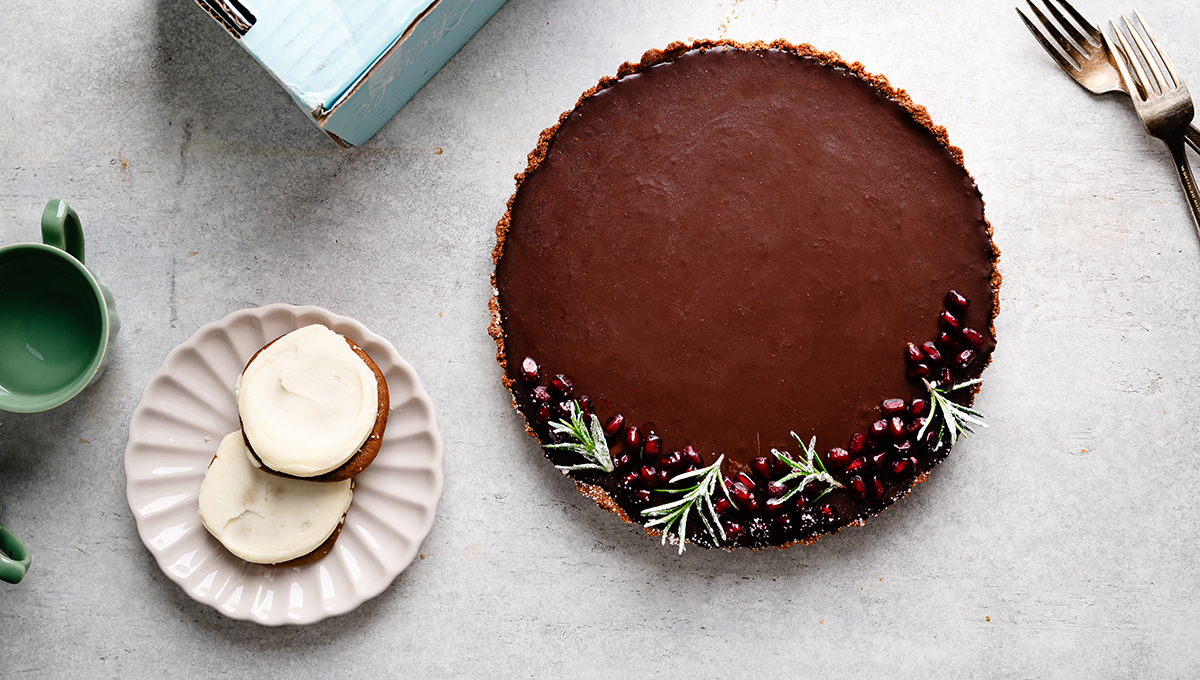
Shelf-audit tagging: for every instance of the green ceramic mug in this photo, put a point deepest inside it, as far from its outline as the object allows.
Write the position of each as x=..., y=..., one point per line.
x=57, y=323
x=14, y=556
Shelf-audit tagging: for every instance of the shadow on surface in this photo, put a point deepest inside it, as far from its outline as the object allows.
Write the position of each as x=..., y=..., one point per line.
x=205, y=78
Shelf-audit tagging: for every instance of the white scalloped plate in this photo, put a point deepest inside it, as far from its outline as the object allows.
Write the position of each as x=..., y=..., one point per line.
x=185, y=410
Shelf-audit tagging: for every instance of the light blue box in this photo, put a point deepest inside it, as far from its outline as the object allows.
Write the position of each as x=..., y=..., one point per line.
x=351, y=64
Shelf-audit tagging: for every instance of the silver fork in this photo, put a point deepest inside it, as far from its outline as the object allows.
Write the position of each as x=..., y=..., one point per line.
x=1090, y=61
x=1162, y=103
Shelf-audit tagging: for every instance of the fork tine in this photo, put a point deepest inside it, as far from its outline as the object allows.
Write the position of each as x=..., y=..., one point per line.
x=1079, y=38
x=1055, y=33
x=1126, y=61
x=1158, y=48
x=1063, y=63
x=1091, y=29
x=1160, y=81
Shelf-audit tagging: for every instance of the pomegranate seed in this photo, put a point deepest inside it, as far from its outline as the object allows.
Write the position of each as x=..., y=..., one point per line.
x=837, y=457
x=916, y=425
x=543, y=413
x=877, y=487
x=949, y=321
x=750, y=505
x=899, y=466
x=784, y=522
x=913, y=461
x=664, y=477
x=733, y=531
x=857, y=441
x=641, y=496
x=633, y=438
x=729, y=485
x=649, y=476
x=778, y=467
x=829, y=511
x=891, y=407
x=747, y=480
x=614, y=425
x=946, y=378
x=955, y=301
x=690, y=468
x=540, y=394
x=965, y=358
x=946, y=342
x=930, y=349
x=896, y=428
x=742, y=494
x=857, y=484
x=759, y=529
x=562, y=384
x=879, y=459
x=776, y=489
x=918, y=371
x=632, y=480
x=692, y=456
x=529, y=370
x=917, y=407
x=671, y=461
x=621, y=460
x=879, y=429
x=773, y=506
x=801, y=501
x=913, y=352
x=762, y=466
x=653, y=446
x=564, y=409
x=903, y=448
x=856, y=464
x=585, y=405
x=721, y=505
x=973, y=338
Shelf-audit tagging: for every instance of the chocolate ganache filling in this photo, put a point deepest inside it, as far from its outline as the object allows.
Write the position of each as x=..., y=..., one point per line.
x=729, y=243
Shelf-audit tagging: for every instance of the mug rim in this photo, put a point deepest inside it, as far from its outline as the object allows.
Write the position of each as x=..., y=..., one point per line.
x=45, y=402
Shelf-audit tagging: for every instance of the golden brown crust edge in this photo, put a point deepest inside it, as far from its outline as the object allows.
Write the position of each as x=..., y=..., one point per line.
x=654, y=57
x=370, y=448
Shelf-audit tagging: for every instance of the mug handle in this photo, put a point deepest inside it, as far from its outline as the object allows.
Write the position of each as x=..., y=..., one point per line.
x=14, y=557
x=61, y=228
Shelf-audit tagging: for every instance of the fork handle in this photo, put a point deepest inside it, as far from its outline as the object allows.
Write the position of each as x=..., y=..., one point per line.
x=1186, y=179
x=1192, y=136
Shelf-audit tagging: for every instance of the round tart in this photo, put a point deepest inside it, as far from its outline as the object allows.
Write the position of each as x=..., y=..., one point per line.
x=268, y=519
x=312, y=405
x=725, y=252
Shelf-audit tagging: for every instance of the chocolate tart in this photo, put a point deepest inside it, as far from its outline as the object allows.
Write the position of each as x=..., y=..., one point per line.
x=730, y=242
x=369, y=449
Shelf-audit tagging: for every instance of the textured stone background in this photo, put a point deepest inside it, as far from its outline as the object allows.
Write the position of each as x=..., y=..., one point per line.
x=1061, y=542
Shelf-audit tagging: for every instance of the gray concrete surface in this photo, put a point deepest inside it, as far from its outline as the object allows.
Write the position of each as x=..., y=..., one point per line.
x=1061, y=542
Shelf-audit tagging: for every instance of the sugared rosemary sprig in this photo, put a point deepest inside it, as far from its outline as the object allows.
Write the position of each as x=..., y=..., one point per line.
x=809, y=470
x=674, y=515
x=956, y=418
x=589, y=441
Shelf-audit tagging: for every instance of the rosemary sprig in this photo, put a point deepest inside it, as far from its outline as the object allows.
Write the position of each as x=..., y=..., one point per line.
x=809, y=470
x=589, y=441
x=674, y=515
x=956, y=418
